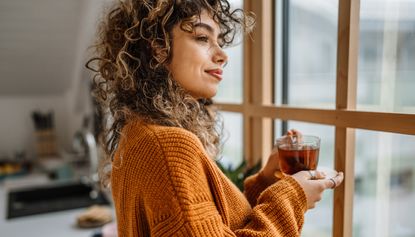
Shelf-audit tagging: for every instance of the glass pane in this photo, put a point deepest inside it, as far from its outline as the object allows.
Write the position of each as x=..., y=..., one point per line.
x=232, y=153
x=230, y=89
x=387, y=56
x=314, y=226
x=384, y=197
x=306, y=75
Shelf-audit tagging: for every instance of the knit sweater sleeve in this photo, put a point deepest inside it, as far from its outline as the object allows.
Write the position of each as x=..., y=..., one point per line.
x=254, y=185
x=180, y=201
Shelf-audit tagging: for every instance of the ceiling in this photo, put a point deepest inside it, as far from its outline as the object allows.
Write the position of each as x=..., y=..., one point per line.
x=38, y=45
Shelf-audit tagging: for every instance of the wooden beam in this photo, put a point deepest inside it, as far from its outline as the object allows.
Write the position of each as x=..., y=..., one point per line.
x=346, y=90
x=258, y=80
x=344, y=153
x=377, y=121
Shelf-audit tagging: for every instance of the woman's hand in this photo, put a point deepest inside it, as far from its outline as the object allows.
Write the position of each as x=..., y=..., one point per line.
x=314, y=184
x=272, y=165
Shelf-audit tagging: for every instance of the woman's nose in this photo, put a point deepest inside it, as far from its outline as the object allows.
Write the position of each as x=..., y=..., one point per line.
x=219, y=56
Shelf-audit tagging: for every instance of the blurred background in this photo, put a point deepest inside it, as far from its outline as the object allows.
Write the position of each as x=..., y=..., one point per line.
x=48, y=154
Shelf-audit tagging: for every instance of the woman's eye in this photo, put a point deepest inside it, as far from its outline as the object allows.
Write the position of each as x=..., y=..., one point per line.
x=202, y=38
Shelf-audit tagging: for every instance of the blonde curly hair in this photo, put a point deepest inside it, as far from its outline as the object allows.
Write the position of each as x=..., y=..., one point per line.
x=131, y=78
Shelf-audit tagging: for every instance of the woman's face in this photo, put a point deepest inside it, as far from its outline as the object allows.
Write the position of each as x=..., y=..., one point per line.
x=198, y=58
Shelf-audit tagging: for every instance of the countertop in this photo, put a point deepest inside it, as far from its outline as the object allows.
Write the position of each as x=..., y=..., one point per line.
x=60, y=224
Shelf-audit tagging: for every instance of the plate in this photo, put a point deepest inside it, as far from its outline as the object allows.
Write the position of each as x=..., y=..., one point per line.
x=330, y=173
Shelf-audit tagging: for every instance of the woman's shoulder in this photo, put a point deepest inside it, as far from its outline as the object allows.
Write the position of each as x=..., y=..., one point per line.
x=151, y=144
x=160, y=135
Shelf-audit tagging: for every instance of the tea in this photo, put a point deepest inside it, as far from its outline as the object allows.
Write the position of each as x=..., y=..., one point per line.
x=294, y=159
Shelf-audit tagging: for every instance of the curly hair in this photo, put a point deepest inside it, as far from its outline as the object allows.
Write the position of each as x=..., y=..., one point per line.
x=131, y=79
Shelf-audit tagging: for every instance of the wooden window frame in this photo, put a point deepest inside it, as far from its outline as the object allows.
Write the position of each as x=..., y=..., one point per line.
x=258, y=110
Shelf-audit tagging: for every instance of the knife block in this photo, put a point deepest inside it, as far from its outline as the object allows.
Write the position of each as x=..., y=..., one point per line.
x=46, y=145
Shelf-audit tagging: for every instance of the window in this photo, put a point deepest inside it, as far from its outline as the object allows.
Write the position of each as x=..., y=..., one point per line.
x=384, y=184
x=232, y=135
x=307, y=44
x=386, y=56
x=342, y=70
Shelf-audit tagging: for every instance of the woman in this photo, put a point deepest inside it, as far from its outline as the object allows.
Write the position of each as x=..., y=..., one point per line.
x=159, y=64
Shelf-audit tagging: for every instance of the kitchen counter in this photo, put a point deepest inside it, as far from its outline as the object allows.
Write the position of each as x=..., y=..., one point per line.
x=60, y=224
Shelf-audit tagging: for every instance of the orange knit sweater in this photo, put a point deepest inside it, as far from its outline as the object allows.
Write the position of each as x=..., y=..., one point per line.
x=164, y=184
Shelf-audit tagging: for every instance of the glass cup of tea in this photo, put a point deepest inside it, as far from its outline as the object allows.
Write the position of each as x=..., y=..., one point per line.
x=298, y=153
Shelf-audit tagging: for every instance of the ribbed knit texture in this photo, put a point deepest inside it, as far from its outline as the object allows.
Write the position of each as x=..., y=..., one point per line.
x=164, y=184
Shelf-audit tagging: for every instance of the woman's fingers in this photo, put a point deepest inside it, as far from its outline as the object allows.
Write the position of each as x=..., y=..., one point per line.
x=312, y=174
x=314, y=183
x=329, y=183
x=295, y=133
x=335, y=181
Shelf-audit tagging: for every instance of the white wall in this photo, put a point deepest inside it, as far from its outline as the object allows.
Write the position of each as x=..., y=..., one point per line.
x=16, y=125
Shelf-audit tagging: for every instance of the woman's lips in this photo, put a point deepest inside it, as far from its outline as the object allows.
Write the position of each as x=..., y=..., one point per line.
x=216, y=73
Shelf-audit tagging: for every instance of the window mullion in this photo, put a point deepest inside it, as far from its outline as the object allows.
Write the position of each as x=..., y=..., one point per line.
x=347, y=59
x=258, y=81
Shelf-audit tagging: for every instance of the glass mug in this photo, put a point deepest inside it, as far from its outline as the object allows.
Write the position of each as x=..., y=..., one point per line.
x=298, y=153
